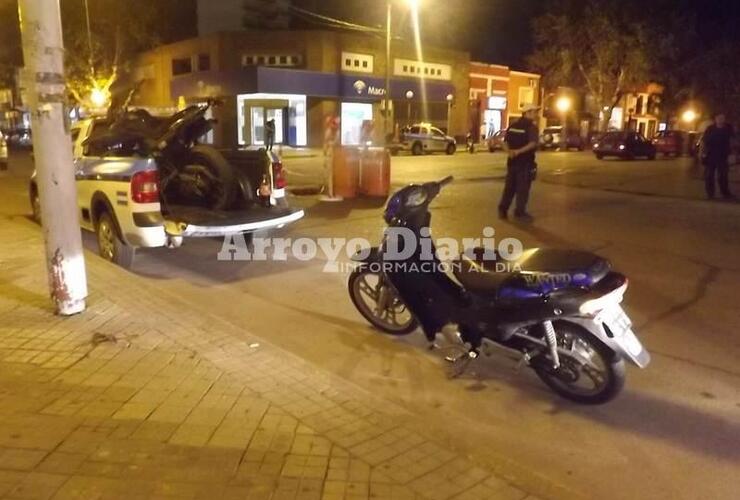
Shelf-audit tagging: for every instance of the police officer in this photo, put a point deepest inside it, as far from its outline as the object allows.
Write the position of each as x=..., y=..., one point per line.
x=520, y=143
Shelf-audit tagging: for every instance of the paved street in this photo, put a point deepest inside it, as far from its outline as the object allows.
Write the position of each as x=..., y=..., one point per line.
x=674, y=431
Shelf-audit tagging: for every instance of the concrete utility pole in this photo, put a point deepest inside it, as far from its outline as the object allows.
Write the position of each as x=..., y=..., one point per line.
x=388, y=8
x=43, y=52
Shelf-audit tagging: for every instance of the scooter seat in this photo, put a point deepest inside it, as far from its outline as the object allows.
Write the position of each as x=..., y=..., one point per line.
x=536, y=273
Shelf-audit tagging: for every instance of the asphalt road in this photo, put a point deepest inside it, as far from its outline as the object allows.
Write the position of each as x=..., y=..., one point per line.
x=675, y=430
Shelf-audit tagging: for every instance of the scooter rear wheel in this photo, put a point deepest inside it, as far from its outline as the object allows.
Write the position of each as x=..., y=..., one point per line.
x=379, y=303
x=595, y=382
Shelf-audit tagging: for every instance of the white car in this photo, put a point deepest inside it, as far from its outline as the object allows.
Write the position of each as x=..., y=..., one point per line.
x=423, y=138
x=119, y=198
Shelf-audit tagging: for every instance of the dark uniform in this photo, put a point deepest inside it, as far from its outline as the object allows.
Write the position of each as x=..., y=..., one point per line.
x=716, y=150
x=520, y=169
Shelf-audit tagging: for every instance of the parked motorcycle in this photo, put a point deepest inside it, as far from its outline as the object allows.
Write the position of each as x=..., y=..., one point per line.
x=557, y=310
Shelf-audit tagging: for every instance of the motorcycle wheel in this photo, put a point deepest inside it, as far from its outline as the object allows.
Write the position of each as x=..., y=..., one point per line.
x=595, y=382
x=215, y=177
x=379, y=304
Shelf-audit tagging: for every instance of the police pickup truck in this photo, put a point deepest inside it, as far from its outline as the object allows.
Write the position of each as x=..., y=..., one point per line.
x=423, y=138
x=120, y=197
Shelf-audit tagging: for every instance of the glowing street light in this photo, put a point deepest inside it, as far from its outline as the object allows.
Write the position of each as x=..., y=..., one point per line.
x=449, y=98
x=98, y=97
x=689, y=116
x=414, y=6
x=563, y=104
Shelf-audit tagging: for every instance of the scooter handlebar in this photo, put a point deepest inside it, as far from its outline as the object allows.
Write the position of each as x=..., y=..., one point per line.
x=446, y=181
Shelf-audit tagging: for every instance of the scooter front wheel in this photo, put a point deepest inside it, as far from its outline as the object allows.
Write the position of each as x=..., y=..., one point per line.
x=379, y=303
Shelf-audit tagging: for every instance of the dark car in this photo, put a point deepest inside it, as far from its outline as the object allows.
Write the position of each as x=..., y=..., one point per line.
x=669, y=142
x=554, y=137
x=627, y=145
x=496, y=141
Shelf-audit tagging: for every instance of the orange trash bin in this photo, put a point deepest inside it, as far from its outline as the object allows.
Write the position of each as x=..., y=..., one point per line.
x=345, y=172
x=375, y=172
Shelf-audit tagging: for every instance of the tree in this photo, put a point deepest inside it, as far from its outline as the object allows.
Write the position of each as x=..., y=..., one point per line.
x=119, y=29
x=594, y=45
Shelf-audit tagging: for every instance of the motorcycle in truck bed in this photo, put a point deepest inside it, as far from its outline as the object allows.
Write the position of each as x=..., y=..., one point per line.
x=145, y=181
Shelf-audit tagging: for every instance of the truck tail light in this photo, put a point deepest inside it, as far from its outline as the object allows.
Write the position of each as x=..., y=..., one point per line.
x=278, y=175
x=145, y=187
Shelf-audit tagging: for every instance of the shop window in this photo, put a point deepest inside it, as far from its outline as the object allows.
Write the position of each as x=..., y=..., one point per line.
x=405, y=67
x=271, y=60
x=248, y=61
x=182, y=66
x=260, y=60
x=361, y=63
x=204, y=62
x=283, y=60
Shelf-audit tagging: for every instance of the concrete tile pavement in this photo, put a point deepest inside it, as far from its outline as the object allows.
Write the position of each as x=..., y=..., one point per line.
x=140, y=397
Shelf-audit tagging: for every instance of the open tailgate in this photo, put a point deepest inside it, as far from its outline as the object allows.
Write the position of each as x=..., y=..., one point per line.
x=201, y=222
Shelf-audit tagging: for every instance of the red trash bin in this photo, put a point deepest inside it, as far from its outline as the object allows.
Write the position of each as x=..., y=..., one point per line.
x=375, y=172
x=345, y=172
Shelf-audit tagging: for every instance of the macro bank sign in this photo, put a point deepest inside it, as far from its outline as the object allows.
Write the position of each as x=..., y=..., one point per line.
x=361, y=88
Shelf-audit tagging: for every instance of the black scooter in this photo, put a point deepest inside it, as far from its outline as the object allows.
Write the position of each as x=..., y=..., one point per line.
x=558, y=310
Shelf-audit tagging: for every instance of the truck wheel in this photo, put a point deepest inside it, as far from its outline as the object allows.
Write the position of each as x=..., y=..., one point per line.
x=214, y=176
x=110, y=246
x=417, y=149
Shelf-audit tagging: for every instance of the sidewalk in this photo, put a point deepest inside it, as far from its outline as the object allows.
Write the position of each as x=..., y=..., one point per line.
x=140, y=398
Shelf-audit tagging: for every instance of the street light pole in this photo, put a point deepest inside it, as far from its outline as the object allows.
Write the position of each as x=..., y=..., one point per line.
x=387, y=67
x=450, y=97
x=43, y=52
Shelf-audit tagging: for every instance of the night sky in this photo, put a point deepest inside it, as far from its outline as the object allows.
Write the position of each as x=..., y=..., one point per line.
x=499, y=31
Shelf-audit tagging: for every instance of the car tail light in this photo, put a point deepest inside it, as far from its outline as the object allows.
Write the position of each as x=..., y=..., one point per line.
x=145, y=187
x=278, y=175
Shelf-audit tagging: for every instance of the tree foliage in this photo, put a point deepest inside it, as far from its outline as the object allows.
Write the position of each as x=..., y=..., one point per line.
x=594, y=45
x=119, y=29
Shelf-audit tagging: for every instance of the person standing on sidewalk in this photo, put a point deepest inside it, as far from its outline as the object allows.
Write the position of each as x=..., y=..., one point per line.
x=715, y=154
x=269, y=134
x=520, y=143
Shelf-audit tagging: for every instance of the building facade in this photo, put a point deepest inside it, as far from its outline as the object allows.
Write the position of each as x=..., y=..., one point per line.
x=301, y=78
x=497, y=95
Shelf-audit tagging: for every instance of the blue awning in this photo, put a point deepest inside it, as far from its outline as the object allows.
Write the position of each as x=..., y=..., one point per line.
x=310, y=83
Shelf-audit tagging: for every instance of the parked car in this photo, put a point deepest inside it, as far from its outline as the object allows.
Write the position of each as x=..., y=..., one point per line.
x=19, y=138
x=423, y=138
x=496, y=141
x=130, y=197
x=3, y=152
x=555, y=138
x=670, y=142
x=627, y=145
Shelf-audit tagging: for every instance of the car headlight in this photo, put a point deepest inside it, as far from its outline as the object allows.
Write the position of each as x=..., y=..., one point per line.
x=621, y=146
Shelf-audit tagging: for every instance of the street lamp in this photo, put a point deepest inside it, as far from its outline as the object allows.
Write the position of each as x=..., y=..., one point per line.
x=689, y=117
x=98, y=97
x=409, y=96
x=414, y=6
x=449, y=98
x=563, y=104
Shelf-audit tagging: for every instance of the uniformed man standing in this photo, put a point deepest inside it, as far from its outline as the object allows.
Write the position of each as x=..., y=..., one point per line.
x=520, y=143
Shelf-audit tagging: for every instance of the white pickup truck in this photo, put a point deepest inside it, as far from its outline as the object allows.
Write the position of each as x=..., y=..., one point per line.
x=121, y=200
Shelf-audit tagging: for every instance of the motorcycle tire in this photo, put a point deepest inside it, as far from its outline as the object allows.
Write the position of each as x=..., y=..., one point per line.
x=614, y=369
x=362, y=307
x=224, y=189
